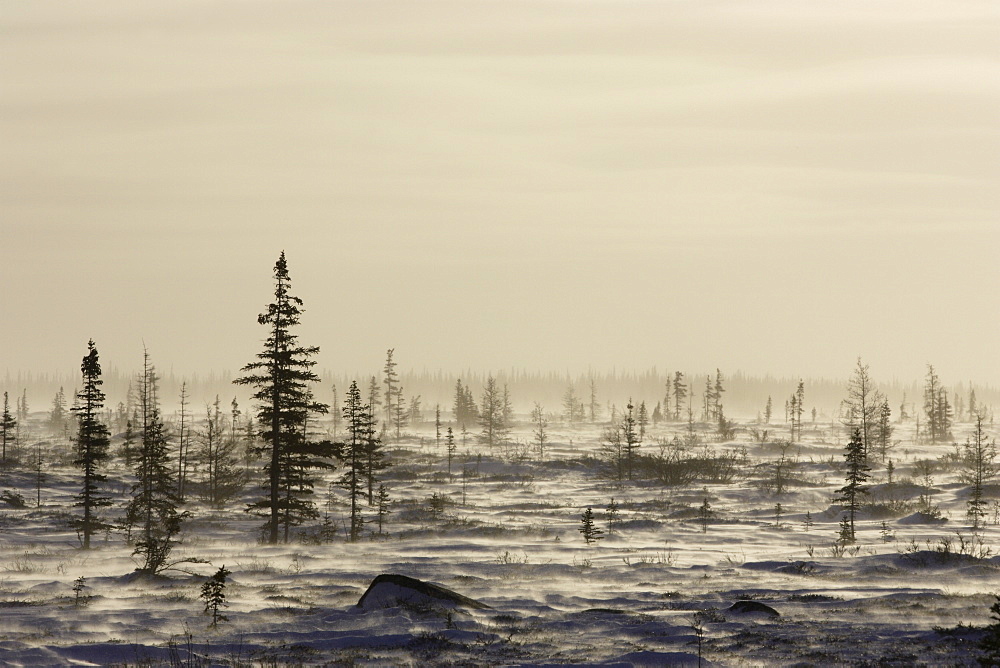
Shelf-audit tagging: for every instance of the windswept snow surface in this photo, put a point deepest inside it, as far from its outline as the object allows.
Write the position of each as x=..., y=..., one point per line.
x=639, y=597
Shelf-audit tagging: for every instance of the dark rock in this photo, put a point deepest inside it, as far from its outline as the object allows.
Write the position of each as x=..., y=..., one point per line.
x=389, y=590
x=752, y=607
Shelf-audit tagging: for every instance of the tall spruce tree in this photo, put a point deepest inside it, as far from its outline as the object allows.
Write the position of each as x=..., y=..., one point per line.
x=57, y=416
x=391, y=382
x=980, y=467
x=680, y=394
x=282, y=374
x=631, y=438
x=856, y=477
x=932, y=404
x=8, y=428
x=91, y=447
x=359, y=425
x=595, y=408
x=183, y=442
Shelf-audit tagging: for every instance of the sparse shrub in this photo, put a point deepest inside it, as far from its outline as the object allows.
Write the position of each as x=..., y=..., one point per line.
x=507, y=557
x=13, y=498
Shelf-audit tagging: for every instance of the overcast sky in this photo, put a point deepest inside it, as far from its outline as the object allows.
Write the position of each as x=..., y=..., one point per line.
x=769, y=186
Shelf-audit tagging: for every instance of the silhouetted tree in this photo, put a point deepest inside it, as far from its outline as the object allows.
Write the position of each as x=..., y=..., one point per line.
x=373, y=457
x=91, y=447
x=595, y=408
x=540, y=423
x=359, y=425
x=376, y=403
x=631, y=438
x=223, y=477
x=572, y=408
x=862, y=406
x=591, y=532
x=450, y=448
x=717, y=391
x=883, y=433
x=154, y=503
x=980, y=456
x=281, y=377
x=642, y=419
x=57, y=416
x=183, y=443
x=383, y=506
x=680, y=394
x=464, y=408
x=213, y=593
x=391, y=381
x=492, y=414
x=8, y=428
x=856, y=476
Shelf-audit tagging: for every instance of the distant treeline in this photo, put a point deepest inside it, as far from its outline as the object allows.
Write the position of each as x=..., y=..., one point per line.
x=745, y=395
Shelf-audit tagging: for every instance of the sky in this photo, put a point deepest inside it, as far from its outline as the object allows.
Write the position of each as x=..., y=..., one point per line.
x=776, y=187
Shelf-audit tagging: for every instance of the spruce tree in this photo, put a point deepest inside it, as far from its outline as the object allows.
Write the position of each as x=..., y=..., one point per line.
x=213, y=593
x=856, y=477
x=540, y=433
x=359, y=425
x=281, y=376
x=391, y=382
x=717, y=391
x=705, y=515
x=375, y=402
x=980, y=456
x=631, y=437
x=643, y=419
x=451, y=448
x=594, y=406
x=680, y=394
x=91, y=447
x=437, y=425
x=57, y=416
x=383, y=506
x=183, y=443
x=570, y=403
x=8, y=427
x=591, y=532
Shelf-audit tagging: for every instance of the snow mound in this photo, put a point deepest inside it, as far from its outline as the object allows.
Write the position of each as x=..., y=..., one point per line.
x=391, y=590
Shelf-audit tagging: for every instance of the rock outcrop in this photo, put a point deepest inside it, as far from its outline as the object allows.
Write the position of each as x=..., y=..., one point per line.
x=390, y=590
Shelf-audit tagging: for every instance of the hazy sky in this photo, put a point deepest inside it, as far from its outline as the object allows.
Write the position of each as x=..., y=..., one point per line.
x=767, y=186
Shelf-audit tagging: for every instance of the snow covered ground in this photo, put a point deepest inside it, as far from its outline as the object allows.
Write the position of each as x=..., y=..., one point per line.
x=641, y=596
